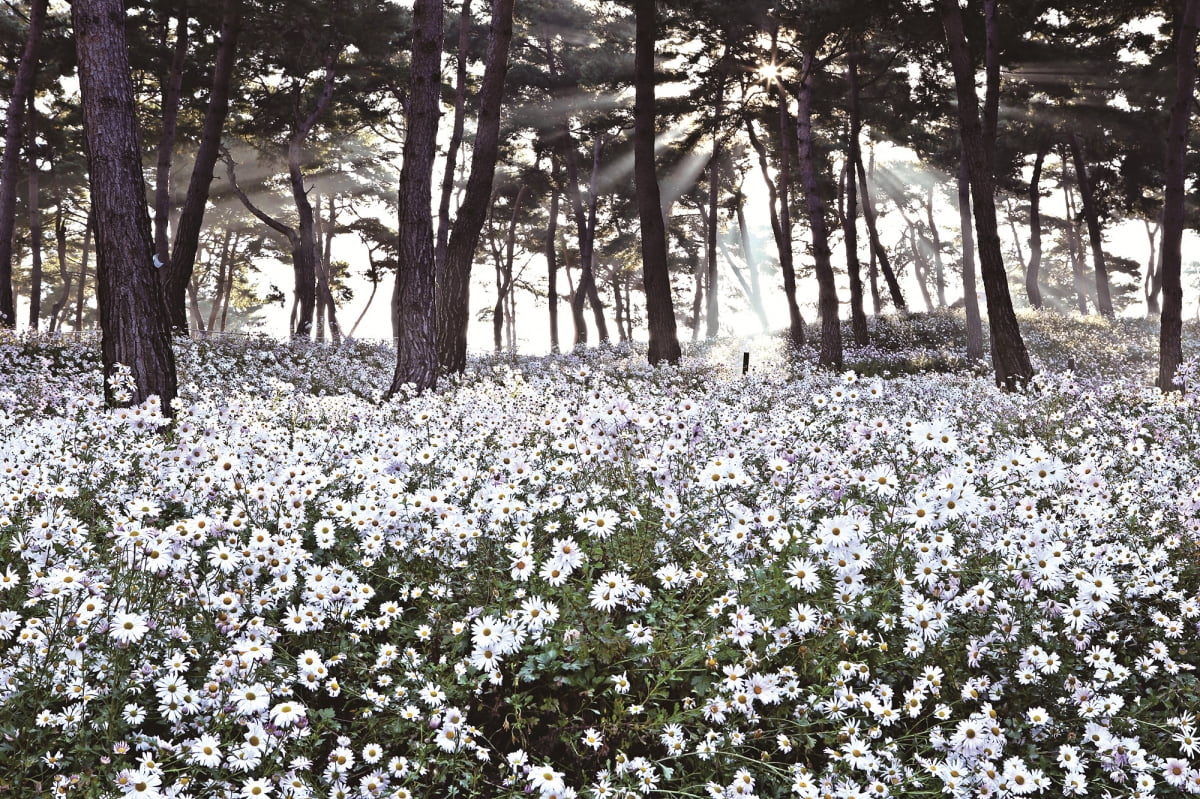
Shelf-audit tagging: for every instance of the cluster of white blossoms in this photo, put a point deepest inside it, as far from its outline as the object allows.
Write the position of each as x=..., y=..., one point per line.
x=580, y=576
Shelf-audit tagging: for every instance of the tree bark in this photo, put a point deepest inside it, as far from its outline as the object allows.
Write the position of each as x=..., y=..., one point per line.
x=1070, y=230
x=506, y=270
x=219, y=287
x=781, y=227
x=1035, y=228
x=453, y=293
x=177, y=275
x=1153, y=283
x=712, y=320
x=413, y=298
x=89, y=228
x=172, y=86
x=552, y=257
x=132, y=312
x=991, y=68
x=35, y=218
x=1170, y=342
x=456, y=137
x=885, y=262
x=660, y=308
x=935, y=246
x=1091, y=215
x=858, y=316
x=970, y=289
x=14, y=127
x=827, y=301
x=1009, y=356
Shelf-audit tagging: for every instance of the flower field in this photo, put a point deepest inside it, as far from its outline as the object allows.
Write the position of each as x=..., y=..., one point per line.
x=578, y=576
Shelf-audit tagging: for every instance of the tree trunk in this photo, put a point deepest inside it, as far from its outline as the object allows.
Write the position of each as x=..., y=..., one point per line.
x=64, y=268
x=132, y=312
x=35, y=218
x=885, y=263
x=413, y=298
x=453, y=293
x=935, y=246
x=177, y=275
x=551, y=257
x=505, y=284
x=219, y=287
x=970, y=290
x=1070, y=230
x=873, y=266
x=1091, y=215
x=1153, y=283
x=456, y=137
x=991, y=68
x=712, y=309
x=781, y=227
x=858, y=316
x=1009, y=356
x=918, y=244
x=1035, y=228
x=228, y=294
x=827, y=301
x=1170, y=343
x=660, y=309
x=14, y=127
x=324, y=273
x=194, y=306
x=698, y=293
x=172, y=85
x=89, y=228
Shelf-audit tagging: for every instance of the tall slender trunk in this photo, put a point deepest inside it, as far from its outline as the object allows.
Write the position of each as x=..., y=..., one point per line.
x=14, y=126
x=781, y=227
x=177, y=275
x=219, y=287
x=453, y=292
x=885, y=263
x=827, y=301
x=373, y=274
x=64, y=268
x=698, y=294
x=136, y=333
x=970, y=290
x=1153, y=283
x=920, y=250
x=935, y=245
x=868, y=213
x=35, y=218
x=324, y=276
x=229, y=280
x=991, y=68
x=319, y=262
x=1091, y=215
x=660, y=309
x=1035, y=228
x=587, y=280
x=1010, y=359
x=505, y=284
x=1071, y=231
x=1170, y=343
x=89, y=228
x=172, y=85
x=712, y=320
x=455, y=143
x=858, y=316
x=194, y=306
x=552, y=256
x=413, y=309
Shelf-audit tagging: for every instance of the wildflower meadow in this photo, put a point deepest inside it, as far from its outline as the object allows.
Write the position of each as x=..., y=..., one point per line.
x=580, y=576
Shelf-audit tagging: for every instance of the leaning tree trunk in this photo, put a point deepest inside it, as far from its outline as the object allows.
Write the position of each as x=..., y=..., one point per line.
x=1170, y=342
x=827, y=301
x=552, y=257
x=877, y=248
x=1074, y=255
x=858, y=317
x=454, y=291
x=132, y=312
x=456, y=137
x=1091, y=215
x=178, y=273
x=35, y=220
x=970, y=290
x=660, y=309
x=1009, y=356
x=172, y=86
x=413, y=300
x=14, y=127
x=1153, y=283
x=781, y=225
x=935, y=245
x=1035, y=229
